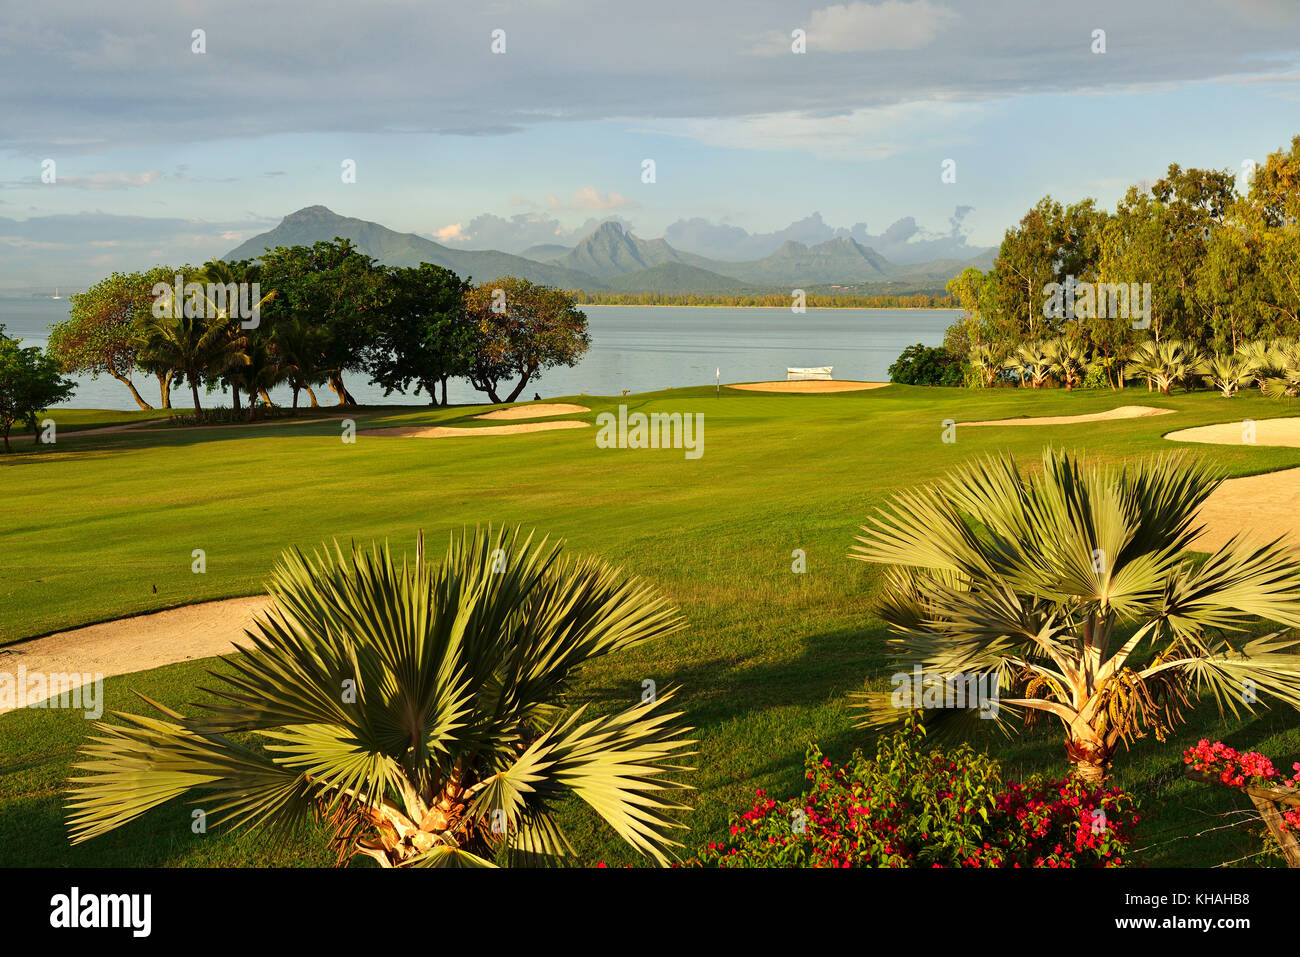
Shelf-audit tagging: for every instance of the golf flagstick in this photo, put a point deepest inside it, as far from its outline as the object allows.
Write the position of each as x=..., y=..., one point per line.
x=717, y=380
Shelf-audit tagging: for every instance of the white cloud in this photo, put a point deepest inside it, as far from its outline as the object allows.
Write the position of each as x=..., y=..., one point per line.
x=589, y=199
x=858, y=27
x=451, y=234
x=871, y=133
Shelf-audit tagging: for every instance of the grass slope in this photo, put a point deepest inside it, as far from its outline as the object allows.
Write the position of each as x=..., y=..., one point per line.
x=765, y=662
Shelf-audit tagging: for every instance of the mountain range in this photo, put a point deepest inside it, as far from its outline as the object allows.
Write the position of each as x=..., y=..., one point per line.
x=612, y=259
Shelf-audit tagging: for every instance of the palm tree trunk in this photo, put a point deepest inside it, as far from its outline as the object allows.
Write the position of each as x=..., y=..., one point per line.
x=194, y=390
x=311, y=393
x=234, y=394
x=165, y=389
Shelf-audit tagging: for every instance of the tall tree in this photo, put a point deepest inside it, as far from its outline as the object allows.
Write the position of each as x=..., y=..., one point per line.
x=333, y=286
x=424, y=336
x=99, y=337
x=523, y=329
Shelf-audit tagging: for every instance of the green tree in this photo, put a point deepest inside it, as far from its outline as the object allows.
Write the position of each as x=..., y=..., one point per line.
x=333, y=286
x=420, y=708
x=424, y=336
x=194, y=345
x=30, y=382
x=522, y=330
x=100, y=335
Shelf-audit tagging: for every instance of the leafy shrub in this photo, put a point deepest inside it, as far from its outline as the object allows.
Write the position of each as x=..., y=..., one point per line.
x=1095, y=377
x=910, y=808
x=922, y=365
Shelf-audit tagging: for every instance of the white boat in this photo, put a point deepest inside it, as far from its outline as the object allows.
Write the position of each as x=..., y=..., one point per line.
x=815, y=372
x=56, y=293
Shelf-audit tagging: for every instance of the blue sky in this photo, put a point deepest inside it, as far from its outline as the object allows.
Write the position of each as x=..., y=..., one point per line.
x=197, y=152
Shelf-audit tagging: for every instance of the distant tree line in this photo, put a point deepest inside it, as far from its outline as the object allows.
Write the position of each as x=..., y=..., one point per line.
x=781, y=300
x=1187, y=274
x=317, y=313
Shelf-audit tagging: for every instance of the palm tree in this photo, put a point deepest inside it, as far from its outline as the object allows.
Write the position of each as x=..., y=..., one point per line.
x=1228, y=372
x=1165, y=363
x=1031, y=364
x=1067, y=359
x=1074, y=588
x=232, y=275
x=419, y=708
x=987, y=362
x=195, y=347
x=302, y=355
x=1279, y=375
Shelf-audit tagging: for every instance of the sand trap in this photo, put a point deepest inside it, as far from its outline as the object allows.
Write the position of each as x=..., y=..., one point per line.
x=536, y=411
x=1267, y=432
x=808, y=385
x=139, y=643
x=1123, y=412
x=447, y=432
x=1262, y=506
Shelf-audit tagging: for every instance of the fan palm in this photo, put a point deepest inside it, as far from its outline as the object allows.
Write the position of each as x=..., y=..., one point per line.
x=419, y=708
x=1074, y=588
x=987, y=363
x=1031, y=364
x=1165, y=363
x=1067, y=359
x=1280, y=378
x=1228, y=372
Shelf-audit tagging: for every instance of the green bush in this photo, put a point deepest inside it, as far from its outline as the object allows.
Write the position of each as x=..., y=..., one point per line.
x=923, y=365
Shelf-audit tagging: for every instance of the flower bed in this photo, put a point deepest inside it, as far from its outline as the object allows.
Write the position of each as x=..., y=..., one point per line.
x=1244, y=769
x=909, y=808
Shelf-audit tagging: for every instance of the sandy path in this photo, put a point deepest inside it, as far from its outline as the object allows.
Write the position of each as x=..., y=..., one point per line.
x=535, y=411
x=808, y=385
x=1267, y=432
x=447, y=432
x=1123, y=412
x=139, y=643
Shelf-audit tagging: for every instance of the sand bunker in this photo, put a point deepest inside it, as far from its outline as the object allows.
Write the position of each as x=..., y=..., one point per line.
x=139, y=643
x=535, y=411
x=447, y=432
x=1262, y=506
x=808, y=385
x=1123, y=412
x=1266, y=432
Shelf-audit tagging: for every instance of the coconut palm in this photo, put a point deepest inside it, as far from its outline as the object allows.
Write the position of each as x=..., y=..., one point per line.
x=417, y=707
x=1075, y=588
x=196, y=347
x=1228, y=372
x=301, y=346
x=1068, y=360
x=1031, y=364
x=1164, y=364
x=231, y=275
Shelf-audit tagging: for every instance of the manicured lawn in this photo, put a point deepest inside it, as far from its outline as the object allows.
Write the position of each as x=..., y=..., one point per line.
x=767, y=657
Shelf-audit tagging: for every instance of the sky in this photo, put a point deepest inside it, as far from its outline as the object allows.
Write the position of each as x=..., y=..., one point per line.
x=165, y=154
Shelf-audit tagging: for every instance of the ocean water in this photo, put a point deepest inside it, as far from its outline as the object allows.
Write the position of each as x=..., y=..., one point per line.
x=637, y=348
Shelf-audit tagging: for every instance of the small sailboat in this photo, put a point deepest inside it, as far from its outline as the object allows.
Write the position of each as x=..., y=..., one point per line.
x=56, y=293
